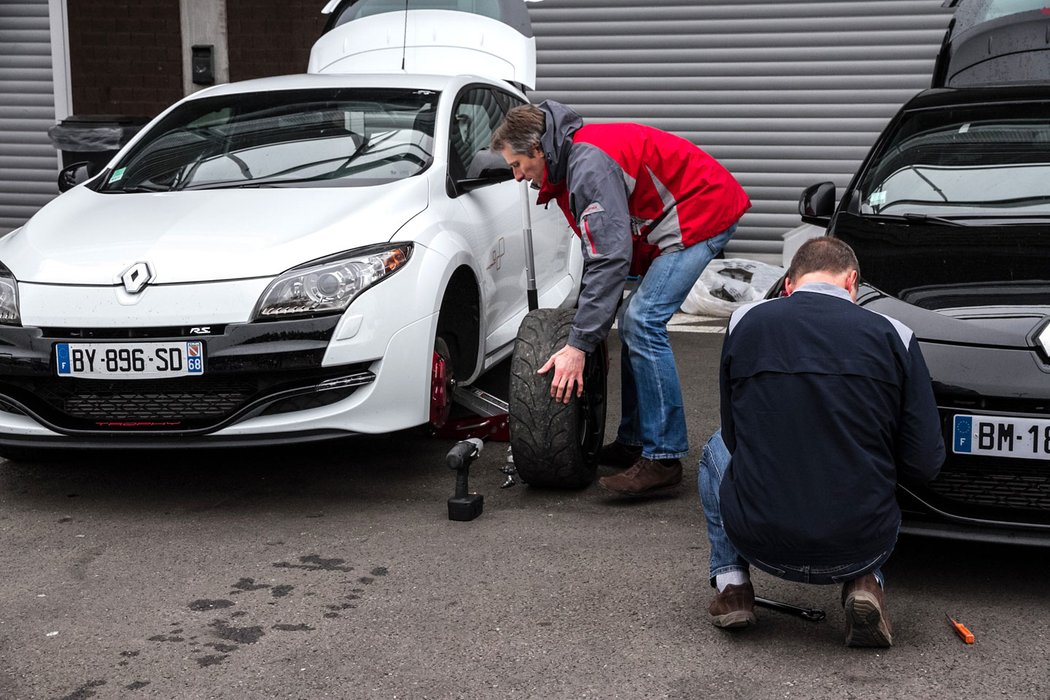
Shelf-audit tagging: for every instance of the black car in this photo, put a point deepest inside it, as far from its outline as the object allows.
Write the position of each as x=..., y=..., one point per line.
x=949, y=215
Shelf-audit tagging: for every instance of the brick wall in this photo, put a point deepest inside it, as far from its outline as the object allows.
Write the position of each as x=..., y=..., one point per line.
x=272, y=38
x=125, y=56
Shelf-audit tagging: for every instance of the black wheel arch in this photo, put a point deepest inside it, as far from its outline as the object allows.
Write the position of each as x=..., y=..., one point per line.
x=459, y=321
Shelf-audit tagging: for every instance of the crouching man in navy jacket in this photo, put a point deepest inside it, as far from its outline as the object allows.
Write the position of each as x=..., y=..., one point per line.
x=823, y=403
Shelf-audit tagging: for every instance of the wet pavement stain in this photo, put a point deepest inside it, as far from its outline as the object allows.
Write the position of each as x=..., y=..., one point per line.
x=241, y=635
x=314, y=562
x=234, y=636
x=224, y=648
x=205, y=604
x=249, y=584
x=85, y=691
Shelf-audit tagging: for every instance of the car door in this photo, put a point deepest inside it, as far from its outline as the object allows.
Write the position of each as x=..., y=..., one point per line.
x=490, y=218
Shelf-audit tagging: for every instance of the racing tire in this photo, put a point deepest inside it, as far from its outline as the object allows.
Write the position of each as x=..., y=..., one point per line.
x=555, y=445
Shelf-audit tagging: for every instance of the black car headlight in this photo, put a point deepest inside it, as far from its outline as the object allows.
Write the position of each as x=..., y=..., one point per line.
x=8, y=298
x=329, y=285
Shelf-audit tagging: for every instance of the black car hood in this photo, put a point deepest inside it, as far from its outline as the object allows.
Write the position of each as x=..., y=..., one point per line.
x=976, y=285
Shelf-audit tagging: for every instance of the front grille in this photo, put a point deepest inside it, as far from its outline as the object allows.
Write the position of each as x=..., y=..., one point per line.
x=1016, y=486
x=172, y=400
x=181, y=404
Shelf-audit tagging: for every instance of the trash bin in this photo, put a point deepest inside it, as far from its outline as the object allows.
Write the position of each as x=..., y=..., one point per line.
x=93, y=139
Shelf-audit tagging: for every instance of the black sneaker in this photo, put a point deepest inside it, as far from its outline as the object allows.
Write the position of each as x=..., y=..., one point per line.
x=618, y=455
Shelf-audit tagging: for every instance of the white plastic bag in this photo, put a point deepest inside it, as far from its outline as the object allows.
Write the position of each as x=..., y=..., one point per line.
x=728, y=284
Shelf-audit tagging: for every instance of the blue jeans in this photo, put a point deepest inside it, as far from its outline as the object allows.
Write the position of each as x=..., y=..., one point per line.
x=652, y=414
x=724, y=556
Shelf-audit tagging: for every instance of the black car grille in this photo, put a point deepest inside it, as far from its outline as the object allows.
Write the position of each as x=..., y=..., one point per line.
x=146, y=400
x=1001, y=490
x=188, y=404
x=1016, y=486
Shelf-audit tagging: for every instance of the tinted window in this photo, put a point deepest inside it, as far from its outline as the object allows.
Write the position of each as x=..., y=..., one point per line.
x=306, y=138
x=475, y=117
x=973, y=12
x=511, y=12
x=986, y=161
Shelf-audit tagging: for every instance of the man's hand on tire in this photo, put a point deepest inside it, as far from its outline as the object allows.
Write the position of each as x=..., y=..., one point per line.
x=568, y=373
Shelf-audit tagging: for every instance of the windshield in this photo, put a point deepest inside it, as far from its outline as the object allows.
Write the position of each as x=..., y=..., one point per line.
x=301, y=138
x=973, y=162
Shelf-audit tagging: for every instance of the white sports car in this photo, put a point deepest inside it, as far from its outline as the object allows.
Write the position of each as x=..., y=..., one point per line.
x=287, y=259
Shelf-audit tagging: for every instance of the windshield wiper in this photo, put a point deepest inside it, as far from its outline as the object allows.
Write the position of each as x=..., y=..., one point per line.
x=913, y=217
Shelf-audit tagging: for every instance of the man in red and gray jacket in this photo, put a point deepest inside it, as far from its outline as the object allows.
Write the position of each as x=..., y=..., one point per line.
x=644, y=202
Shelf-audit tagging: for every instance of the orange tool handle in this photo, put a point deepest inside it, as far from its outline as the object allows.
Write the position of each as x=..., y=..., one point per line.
x=960, y=629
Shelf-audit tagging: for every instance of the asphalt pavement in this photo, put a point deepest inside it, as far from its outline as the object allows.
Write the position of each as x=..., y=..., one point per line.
x=333, y=572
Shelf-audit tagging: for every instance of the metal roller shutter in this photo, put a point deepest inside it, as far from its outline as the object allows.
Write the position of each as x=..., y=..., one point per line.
x=28, y=161
x=784, y=94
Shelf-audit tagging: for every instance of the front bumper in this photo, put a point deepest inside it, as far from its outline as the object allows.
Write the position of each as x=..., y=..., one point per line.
x=251, y=370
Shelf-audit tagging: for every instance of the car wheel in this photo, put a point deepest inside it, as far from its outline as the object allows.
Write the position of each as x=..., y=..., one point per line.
x=442, y=384
x=555, y=445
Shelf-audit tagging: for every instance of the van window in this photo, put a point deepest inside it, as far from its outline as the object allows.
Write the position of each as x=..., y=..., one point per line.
x=974, y=12
x=510, y=12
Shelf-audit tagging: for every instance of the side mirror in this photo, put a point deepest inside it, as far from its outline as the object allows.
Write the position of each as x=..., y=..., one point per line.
x=72, y=175
x=817, y=204
x=488, y=176
x=486, y=168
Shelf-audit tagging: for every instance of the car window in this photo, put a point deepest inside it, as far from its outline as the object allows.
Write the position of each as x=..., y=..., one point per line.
x=510, y=12
x=972, y=12
x=303, y=138
x=987, y=161
x=476, y=115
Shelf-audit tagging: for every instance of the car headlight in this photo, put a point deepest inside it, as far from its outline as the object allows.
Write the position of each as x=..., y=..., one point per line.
x=8, y=298
x=329, y=285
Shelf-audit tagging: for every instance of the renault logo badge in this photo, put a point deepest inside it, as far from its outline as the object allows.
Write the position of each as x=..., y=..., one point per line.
x=1043, y=338
x=136, y=277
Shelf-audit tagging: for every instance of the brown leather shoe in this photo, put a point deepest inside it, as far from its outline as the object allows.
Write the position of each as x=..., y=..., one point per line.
x=646, y=477
x=867, y=624
x=734, y=607
x=618, y=455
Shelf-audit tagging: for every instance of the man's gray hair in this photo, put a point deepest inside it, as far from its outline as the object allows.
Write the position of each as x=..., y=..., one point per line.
x=823, y=254
x=521, y=129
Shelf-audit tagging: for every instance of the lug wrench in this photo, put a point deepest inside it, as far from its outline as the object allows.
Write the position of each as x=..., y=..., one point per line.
x=811, y=614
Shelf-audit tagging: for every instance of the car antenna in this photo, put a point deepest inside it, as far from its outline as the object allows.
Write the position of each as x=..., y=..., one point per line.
x=404, y=38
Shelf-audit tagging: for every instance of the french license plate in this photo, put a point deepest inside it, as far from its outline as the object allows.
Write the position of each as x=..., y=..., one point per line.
x=1001, y=436
x=130, y=360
